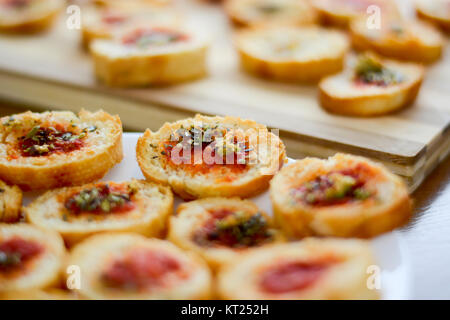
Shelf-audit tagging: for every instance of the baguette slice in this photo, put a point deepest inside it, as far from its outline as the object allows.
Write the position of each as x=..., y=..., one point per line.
x=263, y=12
x=344, y=196
x=204, y=157
x=10, y=203
x=134, y=206
x=312, y=269
x=30, y=257
x=346, y=94
x=130, y=266
x=55, y=149
x=150, y=56
x=292, y=54
x=28, y=16
x=435, y=11
x=340, y=13
x=399, y=39
x=222, y=229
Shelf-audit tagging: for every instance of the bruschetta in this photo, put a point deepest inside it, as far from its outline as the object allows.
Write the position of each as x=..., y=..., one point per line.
x=399, y=39
x=28, y=16
x=312, y=269
x=130, y=266
x=55, y=149
x=150, y=56
x=204, y=156
x=344, y=196
x=291, y=54
x=221, y=229
x=78, y=212
x=371, y=86
x=30, y=258
x=435, y=11
x=10, y=203
x=263, y=12
x=340, y=13
x=110, y=21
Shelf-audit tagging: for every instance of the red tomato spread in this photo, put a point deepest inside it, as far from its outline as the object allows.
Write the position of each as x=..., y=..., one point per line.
x=16, y=252
x=17, y=4
x=140, y=270
x=154, y=36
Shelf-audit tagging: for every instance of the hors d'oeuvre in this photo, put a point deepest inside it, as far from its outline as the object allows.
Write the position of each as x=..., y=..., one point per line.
x=10, y=203
x=340, y=13
x=78, y=212
x=435, y=11
x=315, y=269
x=130, y=266
x=371, y=87
x=110, y=21
x=292, y=54
x=28, y=15
x=150, y=56
x=344, y=196
x=30, y=257
x=399, y=39
x=221, y=229
x=204, y=156
x=263, y=12
x=55, y=149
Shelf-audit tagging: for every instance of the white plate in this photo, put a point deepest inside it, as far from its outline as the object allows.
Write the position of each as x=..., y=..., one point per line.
x=390, y=249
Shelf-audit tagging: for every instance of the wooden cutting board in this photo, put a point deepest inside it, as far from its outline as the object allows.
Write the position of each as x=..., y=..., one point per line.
x=51, y=71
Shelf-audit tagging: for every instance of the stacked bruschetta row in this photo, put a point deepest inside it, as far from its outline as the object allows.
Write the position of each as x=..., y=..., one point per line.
x=91, y=239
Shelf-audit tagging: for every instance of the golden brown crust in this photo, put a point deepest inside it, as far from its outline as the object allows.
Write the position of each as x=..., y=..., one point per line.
x=246, y=13
x=41, y=272
x=388, y=206
x=102, y=150
x=152, y=206
x=265, y=54
x=411, y=41
x=96, y=254
x=221, y=180
x=344, y=275
x=30, y=20
x=436, y=12
x=10, y=203
x=191, y=218
x=48, y=294
x=339, y=93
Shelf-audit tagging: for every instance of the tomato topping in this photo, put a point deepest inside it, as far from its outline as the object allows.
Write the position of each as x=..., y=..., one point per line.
x=16, y=4
x=337, y=187
x=233, y=229
x=42, y=141
x=103, y=198
x=113, y=18
x=291, y=276
x=16, y=252
x=369, y=71
x=140, y=270
x=152, y=37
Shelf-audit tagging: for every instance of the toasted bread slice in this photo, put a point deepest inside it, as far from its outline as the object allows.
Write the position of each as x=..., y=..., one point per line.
x=28, y=16
x=399, y=39
x=55, y=149
x=110, y=21
x=150, y=56
x=435, y=11
x=372, y=87
x=204, y=157
x=78, y=212
x=39, y=294
x=130, y=266
x=292, y=54
x=10, y=203
x=221, y=229
x=312, y=269
x=344, y=196
x=263, y=12
x=340, y=13
x=30, y=257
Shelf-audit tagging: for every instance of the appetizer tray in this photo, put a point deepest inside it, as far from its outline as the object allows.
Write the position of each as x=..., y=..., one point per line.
x=51, y=70
x=391, y=253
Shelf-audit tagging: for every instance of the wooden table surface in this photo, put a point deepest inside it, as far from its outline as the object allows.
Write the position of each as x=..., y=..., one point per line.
x=427, y=235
